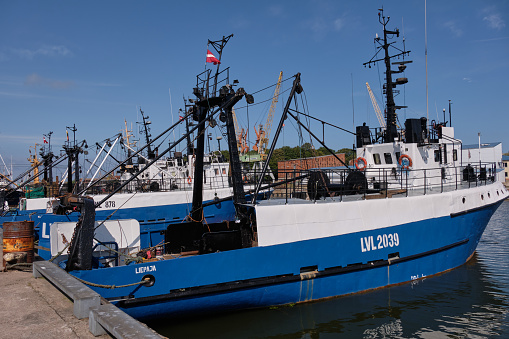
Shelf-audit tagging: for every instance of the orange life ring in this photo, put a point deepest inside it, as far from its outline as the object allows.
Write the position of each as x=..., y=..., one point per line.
x=405, y=156
x=363, y=161
x=189, y=180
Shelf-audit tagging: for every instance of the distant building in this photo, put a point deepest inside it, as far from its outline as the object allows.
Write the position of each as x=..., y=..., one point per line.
x=505, y=161
x=289, y=166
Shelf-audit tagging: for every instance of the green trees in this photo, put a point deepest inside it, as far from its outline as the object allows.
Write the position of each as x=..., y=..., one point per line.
x=297, y=152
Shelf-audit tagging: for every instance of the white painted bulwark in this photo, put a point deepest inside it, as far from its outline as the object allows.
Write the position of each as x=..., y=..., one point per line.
x=126, y=233
x=280, y=224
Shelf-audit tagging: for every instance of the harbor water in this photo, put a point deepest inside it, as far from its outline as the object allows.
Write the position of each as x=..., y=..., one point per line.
x=471, y=301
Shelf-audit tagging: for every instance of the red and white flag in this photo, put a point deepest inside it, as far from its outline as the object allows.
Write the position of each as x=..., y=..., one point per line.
x=44, y=140
x=212, y=58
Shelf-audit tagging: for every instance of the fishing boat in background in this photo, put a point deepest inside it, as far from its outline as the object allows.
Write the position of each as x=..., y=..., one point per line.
x=408, y=209
x=154, y=192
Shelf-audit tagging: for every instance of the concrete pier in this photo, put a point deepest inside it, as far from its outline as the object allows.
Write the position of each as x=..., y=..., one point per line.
x=58, y=306
x=34, y=308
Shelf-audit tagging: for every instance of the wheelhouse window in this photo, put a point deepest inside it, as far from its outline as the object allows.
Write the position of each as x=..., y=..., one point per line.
x=398, y=154
x=376, y=159
x=437, y=155
x=388, y=158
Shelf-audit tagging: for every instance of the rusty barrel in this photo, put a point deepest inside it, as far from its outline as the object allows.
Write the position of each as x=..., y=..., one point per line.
x=18, y=242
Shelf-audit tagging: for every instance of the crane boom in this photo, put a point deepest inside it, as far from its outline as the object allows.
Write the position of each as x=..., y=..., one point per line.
x=264, y=140
x=35, y=163
x=378, y=112
x=237, y=130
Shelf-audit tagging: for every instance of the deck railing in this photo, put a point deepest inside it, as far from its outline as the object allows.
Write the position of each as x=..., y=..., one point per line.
x=384, y=182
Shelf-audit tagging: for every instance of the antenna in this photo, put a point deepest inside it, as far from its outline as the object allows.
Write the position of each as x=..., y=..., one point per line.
x=450, y=118
x=426, y=57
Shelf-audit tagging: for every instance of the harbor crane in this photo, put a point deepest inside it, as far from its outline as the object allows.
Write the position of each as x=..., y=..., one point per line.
x=241, y=135
x=263, y=132
x=378, y=112
x=34, y=162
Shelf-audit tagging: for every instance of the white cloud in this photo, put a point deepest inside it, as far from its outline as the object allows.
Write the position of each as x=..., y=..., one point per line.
x=321, y=26
x=495, y=21
x=467, y=80
x=48, y=51
x=455, y=30
x=318, y=26
x=35, y=79
x=338, y=24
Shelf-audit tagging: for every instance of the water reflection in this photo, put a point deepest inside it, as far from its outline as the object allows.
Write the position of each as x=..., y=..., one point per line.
x=471, y=301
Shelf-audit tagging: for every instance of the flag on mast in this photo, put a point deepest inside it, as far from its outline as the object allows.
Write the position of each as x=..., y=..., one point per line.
x=67, y=134
x=212, y=58
x=44, y=141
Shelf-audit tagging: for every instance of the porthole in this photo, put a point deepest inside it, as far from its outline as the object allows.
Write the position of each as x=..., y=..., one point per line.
x=498, y=193
x=489, y=195
x=463, y=199
x=149, y=280
x=482, y=197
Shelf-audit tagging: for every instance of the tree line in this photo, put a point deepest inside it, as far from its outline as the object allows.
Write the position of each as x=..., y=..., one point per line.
x=297, y=152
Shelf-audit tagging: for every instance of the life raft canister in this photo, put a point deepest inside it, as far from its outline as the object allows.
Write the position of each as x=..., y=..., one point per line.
x=409, y=160
x=361, y=163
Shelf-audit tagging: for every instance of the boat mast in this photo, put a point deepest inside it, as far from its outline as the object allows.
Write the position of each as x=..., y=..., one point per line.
x=190, y=144
x=47, y=156
x=150, y=152
x=226, y=97
x=218, y=46
x=72, y=156
x=200, y=113
x=391, y=131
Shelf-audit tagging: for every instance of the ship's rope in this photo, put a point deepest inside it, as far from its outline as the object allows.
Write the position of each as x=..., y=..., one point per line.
x=202, y=219
x=59, y=253
x=22, y=266
x=111, y=287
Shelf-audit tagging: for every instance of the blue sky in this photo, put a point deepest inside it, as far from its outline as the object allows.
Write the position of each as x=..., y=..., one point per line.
x=93, y=63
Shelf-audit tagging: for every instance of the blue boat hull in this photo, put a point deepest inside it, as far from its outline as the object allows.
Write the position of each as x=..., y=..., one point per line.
x=153, y=220
x=295, y=272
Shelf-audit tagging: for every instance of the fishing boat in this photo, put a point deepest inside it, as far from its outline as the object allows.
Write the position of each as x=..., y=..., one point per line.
x=408, y=209
x=155, y=192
